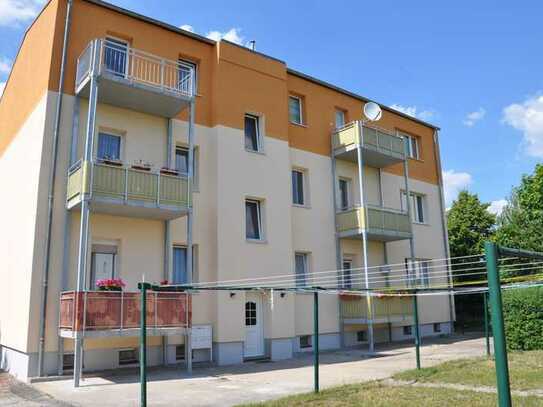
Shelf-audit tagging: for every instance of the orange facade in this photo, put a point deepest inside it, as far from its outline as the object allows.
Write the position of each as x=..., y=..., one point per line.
x=232, y=81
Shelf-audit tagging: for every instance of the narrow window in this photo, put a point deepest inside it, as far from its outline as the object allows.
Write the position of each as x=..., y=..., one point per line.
x=344, y=194
x=347, y=271
x=103, y=259
x=407, y=330
x=437, y=327
x=295, y=109
x=340, y=118
x=68, y=361
x=115, y=56
x=250, y=313
x=180, y=352
x=413, y=147
x=298, y=187
x=182, y=160
x=305, y=341
x=252, y=136
x=180, y=264
x=109, y=147
x=300, y=265
x=417, y=205
x=253, y=220
x=188, y=77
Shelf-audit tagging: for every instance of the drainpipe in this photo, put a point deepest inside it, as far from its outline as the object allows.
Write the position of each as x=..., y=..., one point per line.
x=51, y=195
x=444, y=223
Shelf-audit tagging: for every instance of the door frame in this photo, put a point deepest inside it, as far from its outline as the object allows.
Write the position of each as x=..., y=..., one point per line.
x=257, y=297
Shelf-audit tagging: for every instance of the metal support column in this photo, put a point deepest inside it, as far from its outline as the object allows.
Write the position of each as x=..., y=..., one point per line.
x=498, y=329
x=316, y=340
x=365, y=237
x=487, y=332
x=339, y=265
x=85, y=209
x=417, y=331
x=167, y=235
x=143, y=343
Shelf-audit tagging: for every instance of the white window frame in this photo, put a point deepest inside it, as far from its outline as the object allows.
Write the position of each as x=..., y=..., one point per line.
x=304, y=185
x=348, y=183
x=298, y=281
x=194, y=66
x=350, y=268
x=300, y=106
x=260, y=219
x=112, y=249
x=195, y=164
x=412, y=153
x=344, y=119
x=259, y=139
x=414, y=209
x=114, y=133
x=421, y=269
x=194, y=261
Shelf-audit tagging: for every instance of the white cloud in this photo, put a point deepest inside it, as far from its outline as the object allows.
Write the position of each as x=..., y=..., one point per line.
x=453, y=183
x=413, y=111
x=474, y=117
x=496, y=207
x=187, y=27
x=232, y=35
x=14, y=12
x=2, y=86
x=5, y=65
x=528, y=118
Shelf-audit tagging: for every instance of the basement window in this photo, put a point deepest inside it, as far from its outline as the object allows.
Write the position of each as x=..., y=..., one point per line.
x=68, y=361
x=407, y=331
x=305, y=341
x=128, y=357
x=180, y=352
x=437, y=327
x=361, y=336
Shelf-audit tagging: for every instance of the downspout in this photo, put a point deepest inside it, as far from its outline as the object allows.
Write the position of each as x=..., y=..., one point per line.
x=444, y=223
x=50, y=199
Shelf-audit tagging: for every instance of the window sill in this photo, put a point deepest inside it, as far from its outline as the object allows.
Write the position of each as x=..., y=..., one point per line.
x=421, y=224
x=303, y=206
x=256, y=241
x=299, y=124
x=420, y=160
x=259, y=152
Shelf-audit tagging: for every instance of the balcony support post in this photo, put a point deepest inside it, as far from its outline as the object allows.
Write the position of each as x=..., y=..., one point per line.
x=190, y=214
x=85, y=209
x=167, y=234
x=365, y=236
x=407, y=197
x=338, y=247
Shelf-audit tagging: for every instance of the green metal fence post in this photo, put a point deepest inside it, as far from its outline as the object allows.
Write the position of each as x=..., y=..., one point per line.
x=143, y=344
x=416, y=323
x=487, y=331
x=316, y=339
x=498, y=330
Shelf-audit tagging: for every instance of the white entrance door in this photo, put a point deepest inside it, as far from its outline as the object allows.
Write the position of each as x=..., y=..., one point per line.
x=254, y=335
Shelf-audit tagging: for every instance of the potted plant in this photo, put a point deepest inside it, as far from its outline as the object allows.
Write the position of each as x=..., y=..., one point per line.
x=111, y=161
x=141, y=166
x=110, y=284
x=169, y=171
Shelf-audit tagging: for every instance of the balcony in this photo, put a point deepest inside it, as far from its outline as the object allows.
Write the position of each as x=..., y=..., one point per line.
x=354, y=310
x=117, y=313
x=382, y=224
x=379, y=148
x=135, y=79
x=124, y=191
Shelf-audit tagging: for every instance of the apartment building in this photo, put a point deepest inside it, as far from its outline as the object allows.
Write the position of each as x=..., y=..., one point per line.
x=132, y=149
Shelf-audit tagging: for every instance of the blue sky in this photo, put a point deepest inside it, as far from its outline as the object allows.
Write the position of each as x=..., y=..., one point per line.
x=473, y=68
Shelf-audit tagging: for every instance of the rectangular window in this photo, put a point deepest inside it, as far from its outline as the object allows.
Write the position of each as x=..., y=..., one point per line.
x=128, y=357
x=295, y=109
x=185, y=70
x=305, y=341
x=344, y=194
x=301, y=268
x=340, y=118
x=115, y=56
x=412, y=146
x=180, y=352
x=180, y=264
x=407, y=330
x=68, y=361
x=298, y=197
x=347, y=273
x=418, y=272
x=252, y=133
x=182, y=160
x=417, y=206
x=361, y=336
x=437, y=327
x=253, y=219
x=109, y=147
x=103, y=262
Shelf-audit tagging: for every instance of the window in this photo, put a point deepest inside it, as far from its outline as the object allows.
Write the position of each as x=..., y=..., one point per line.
x=115, y=56
x=185, y=69
x=412, y=146
x=252, y=133
x=407, y=331
x=361, y=336
x=103, y=259
x=305, y=341
x=417, y=206
x=437, y=327
x=295, y=109
x=180, y=264
x=68, y=361
x=347, y=270
x=109, y=147
x=301, y=267
x=298, y=179
x=344, y=194
x=418, y=272
x=253, y=219
x=250, y=313
x=182, y=163
x=180, y=352
x=128, y=356
x=340, y=118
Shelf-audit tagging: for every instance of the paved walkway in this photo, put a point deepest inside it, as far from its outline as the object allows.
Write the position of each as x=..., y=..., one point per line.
x=255, y=381
x=15, y=393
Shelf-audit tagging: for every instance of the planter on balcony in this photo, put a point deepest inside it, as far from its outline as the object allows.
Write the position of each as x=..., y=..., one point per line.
x=169, y=171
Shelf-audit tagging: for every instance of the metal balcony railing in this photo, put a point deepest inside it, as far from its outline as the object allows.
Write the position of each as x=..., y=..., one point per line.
x=386, y=309
x=118, y=313
x=374, y=218
x=120, y=61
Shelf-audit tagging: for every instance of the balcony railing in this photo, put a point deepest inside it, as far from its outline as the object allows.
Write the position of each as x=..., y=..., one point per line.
x=124, y=185
x=117, y=313
x=386, y=309
x=378, y=221
x=123, y=62
x=373, y=140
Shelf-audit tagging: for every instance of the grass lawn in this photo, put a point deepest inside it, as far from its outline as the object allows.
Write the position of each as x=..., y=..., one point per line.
x=378, y=395
x=525, y=371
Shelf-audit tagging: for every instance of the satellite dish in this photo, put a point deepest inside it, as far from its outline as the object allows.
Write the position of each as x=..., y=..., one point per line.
x=372, y=111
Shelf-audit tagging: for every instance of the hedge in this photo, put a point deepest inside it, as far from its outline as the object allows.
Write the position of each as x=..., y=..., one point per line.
x=523, y=317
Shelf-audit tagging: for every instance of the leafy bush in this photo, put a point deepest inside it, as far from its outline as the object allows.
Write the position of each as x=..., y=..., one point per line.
x=523, y=317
